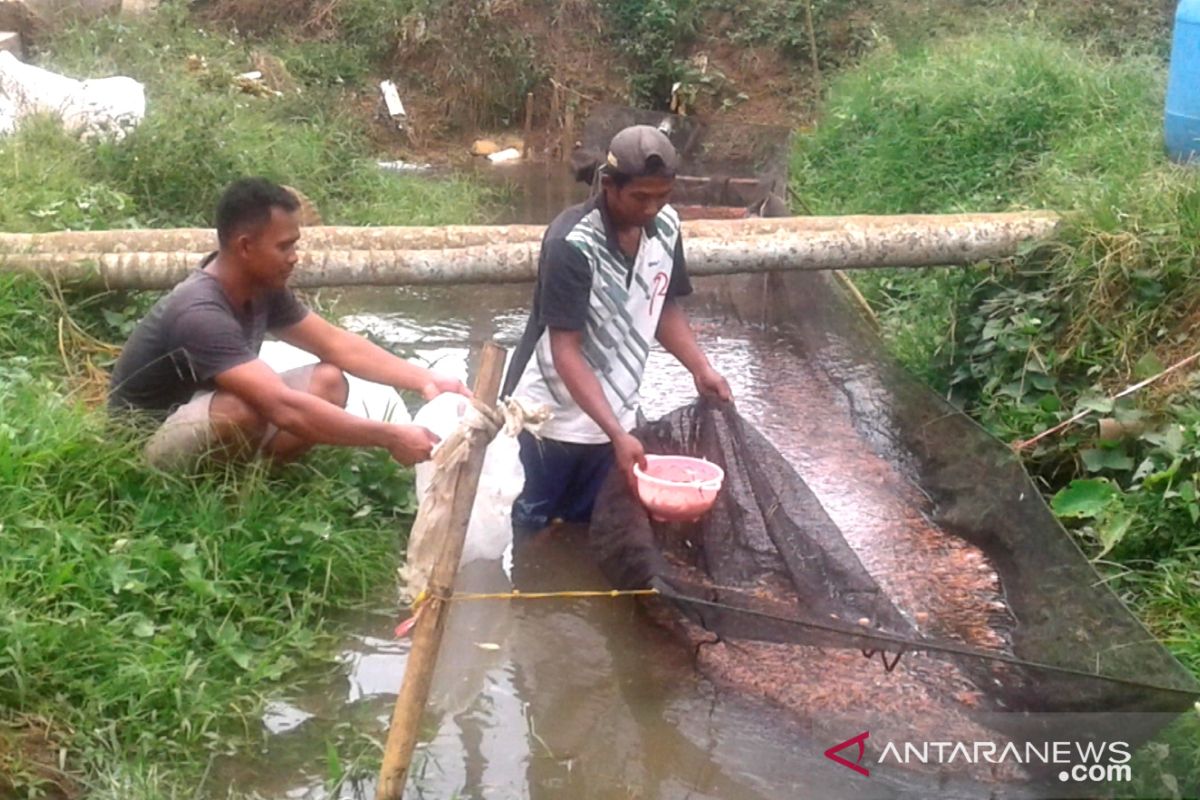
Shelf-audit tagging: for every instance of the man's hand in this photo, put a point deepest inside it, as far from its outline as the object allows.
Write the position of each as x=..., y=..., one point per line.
x=627, y=451
x=709, y=383
x=410, y=444
x=438, y=384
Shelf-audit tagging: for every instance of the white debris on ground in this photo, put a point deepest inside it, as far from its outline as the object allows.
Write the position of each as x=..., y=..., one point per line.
x=393, y=106
x=503, y=156
x=10, y=41
x=403, y=166
x=98, y=108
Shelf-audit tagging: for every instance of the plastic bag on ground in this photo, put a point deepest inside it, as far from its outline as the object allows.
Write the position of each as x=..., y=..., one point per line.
x=95, y=108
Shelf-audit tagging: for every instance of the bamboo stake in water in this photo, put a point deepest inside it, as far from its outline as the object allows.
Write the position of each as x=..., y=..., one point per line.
x=427, y=634
x=528, y=124
x=568, y=130
x=554, y=121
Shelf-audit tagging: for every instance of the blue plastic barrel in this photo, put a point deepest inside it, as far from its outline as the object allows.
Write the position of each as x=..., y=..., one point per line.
x=1183, y=85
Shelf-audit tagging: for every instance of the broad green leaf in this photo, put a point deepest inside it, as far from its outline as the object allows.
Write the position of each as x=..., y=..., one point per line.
x=1083, y=499
x=185, y=551
x=1042, y=382
x=1168, y=439
x=1013, y=389
x=333, y=763
x=1165, y=476
x=1113, y=529
x=118, y=574
x=992, y=328
x=1097, y=403
x=1147, y=367
x=1102, y=458
x=321, y=529
x=143, y=628
x=240, y=655
x=1128, y=414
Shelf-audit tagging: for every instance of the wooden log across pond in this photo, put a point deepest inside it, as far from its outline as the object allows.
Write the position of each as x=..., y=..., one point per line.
x=392, y=256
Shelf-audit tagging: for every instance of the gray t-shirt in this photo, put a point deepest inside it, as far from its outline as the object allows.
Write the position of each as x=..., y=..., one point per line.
x=191, y=336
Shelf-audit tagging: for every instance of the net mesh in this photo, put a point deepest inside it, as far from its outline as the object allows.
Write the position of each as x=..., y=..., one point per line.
x=775, y=598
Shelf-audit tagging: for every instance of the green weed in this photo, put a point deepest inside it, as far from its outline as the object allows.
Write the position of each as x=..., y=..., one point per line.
x=177, y=603
x=149, y=613
x=652, y=35
x=201, y=132
x=1014, y=119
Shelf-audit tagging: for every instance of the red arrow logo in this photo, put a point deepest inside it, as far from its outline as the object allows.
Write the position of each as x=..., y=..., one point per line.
x=832, y=753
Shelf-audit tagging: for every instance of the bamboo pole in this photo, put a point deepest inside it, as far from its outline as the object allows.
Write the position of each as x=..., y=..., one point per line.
x=431, y=624
x=812, y=43
x=406, y=237
x=528, y=124
x=714, y=247
x=568, y=130
x=554, y=123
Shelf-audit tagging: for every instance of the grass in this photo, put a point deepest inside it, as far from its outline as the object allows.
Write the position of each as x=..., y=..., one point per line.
x=144, y=617
x=175, y=625
x=1012, y=119
x=176, y=602
x=201, y=132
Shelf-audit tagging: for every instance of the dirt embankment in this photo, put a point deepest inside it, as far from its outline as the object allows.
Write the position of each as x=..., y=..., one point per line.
x=464, y=67
x=467, y=67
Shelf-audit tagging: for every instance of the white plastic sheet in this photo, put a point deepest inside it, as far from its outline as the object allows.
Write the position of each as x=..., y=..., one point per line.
x=98, y=108
x=365, y=399
x=490, y=528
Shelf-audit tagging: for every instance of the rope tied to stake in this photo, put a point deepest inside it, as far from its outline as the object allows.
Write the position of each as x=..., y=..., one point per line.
x=478, y=425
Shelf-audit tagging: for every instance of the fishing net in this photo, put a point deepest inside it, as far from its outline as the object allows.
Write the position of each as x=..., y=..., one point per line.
x=967, y=597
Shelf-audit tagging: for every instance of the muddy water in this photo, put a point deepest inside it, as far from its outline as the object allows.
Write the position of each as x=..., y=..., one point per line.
x=579, y=699
x=537, y=190
x=589, y=699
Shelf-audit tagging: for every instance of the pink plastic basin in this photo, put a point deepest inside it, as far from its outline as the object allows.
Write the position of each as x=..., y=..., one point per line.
x=678, y=488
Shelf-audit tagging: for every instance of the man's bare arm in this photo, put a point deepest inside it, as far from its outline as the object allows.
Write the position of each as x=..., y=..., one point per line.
x=317, y=421
x=365, y=359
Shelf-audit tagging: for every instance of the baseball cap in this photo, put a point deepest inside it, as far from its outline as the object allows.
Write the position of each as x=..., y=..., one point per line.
x=633, y=151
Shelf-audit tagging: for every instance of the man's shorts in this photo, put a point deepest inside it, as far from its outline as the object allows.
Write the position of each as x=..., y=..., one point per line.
x=188, y=434
x=562, y=480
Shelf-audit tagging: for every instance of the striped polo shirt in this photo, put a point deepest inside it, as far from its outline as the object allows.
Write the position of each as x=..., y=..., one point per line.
x=585, y=283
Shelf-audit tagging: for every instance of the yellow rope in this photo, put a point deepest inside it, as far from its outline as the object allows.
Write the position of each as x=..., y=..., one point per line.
x=517, y=594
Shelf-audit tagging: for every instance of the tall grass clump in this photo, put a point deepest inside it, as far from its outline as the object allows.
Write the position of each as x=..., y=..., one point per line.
x=652, y=34
x=1016, y=119
x=980, y=123
x=143, y=615
x=202, y=131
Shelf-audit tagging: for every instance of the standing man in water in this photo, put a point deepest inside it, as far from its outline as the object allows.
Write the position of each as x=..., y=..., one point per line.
x=610, y=274
x=193, y=361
